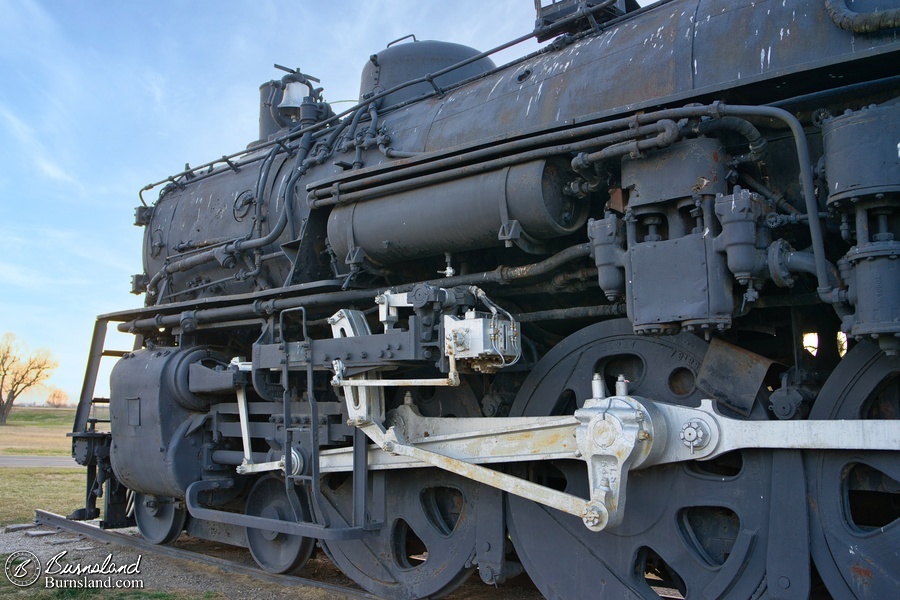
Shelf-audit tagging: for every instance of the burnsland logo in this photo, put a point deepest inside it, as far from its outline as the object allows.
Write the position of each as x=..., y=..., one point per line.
x=107, y=567
x=22, y=568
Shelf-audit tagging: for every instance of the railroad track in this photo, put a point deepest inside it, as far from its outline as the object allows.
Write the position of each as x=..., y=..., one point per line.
x=49, y=519
x=88, y=530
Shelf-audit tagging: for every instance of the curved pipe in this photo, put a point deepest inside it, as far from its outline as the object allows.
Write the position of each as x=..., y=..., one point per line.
x=849, y=20
x=804, y=262
x=668, y=133
x=506, y=274
x=758, y=144
x=806, y=180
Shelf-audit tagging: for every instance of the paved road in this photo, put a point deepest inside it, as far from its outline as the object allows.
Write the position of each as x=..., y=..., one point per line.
x=38, y=461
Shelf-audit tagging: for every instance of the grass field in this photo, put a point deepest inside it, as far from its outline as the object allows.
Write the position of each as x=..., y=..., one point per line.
x=24, y=489
x=42, y=416
x=37, y=432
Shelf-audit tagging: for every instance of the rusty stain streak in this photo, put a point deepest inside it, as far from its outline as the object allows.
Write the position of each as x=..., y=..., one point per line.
x=862, y=573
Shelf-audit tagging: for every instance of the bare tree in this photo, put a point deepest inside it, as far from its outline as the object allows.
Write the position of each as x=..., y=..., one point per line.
x=57, y=398
x=20, y=371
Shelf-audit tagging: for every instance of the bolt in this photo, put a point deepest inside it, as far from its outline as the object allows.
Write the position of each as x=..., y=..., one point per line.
x=595, y=516
x=643, y=435
x=621, y=386
x=487, y=575
x=695, y=434
x=388, y=447
x=605, y=434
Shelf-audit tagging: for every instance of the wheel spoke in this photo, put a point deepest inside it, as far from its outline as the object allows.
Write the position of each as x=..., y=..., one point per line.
x=701, y=529
x=426, y=539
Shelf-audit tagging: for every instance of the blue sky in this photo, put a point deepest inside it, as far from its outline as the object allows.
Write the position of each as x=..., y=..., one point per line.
x=97, y=99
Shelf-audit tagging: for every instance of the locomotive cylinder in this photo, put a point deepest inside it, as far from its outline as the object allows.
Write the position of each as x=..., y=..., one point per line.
x=155, y=452
x=471, y=213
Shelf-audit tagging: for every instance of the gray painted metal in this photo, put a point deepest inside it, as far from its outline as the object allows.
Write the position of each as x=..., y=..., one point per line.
x=524, y=201
x=471, y=170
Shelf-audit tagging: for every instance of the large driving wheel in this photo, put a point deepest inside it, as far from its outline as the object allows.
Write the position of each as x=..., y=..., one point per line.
x=855, y=496
x=699, y=528
x=424, y=546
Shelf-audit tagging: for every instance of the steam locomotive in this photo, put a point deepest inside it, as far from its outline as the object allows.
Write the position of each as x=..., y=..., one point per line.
x=623, y=314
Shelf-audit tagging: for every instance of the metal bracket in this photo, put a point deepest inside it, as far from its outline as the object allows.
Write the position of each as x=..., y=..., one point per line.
x=352, y=323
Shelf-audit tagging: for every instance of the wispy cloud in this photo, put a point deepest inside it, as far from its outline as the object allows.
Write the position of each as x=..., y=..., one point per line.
x=33, y=149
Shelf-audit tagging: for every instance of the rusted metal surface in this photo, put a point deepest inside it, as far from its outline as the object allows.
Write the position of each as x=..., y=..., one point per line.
x=733, y=375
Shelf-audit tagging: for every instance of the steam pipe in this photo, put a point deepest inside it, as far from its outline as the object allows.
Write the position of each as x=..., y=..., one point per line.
x=237, y=245
x=849, y=20
x=499, y=275
x=806, y=180
x=778, y=199
x=367, y=193
x=503, y=275
x=578, y=312
x=668, y=134
x=758, y=144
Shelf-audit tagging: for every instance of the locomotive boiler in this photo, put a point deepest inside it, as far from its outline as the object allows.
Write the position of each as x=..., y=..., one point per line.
x=623, y=313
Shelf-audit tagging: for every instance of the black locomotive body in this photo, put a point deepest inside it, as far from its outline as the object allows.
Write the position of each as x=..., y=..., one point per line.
x=631, y=302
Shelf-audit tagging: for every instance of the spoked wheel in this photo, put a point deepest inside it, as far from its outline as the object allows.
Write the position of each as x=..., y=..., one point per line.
x=855, y=496
x=273, y=551
x=160, y=520
x=696, y=528
x=426, y=541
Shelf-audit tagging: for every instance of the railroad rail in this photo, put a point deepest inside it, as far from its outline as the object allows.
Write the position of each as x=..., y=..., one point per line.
x=42, y=517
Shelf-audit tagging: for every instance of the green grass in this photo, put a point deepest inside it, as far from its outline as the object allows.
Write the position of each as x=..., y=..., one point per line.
x=24, y=489
x=42, y=417
x=37, y=432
